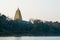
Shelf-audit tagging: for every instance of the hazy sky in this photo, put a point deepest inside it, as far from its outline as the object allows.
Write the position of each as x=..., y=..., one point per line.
x=36, y=9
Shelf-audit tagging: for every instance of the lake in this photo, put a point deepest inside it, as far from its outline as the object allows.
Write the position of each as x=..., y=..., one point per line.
x=31, y=38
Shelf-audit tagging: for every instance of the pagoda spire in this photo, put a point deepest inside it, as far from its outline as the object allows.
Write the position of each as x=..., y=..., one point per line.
x=18, y=15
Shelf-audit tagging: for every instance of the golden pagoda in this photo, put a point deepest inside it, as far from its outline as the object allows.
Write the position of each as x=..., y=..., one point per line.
x=18, y=15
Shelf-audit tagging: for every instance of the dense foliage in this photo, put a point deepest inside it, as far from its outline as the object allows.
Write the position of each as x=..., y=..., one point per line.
x=27, y=28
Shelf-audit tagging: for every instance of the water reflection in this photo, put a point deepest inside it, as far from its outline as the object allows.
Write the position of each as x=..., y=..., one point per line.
x=29, y=38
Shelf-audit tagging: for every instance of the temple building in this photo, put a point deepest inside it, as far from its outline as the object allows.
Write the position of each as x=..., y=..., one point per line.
x=18, y=15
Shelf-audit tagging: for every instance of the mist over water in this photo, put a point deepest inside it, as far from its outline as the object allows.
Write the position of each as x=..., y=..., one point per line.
x=30, y=38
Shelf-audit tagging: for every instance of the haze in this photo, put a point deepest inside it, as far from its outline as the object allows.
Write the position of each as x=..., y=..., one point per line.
x=36, y=9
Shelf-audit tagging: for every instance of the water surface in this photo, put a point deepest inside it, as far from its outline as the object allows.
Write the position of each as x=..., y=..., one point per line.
x=30, y=38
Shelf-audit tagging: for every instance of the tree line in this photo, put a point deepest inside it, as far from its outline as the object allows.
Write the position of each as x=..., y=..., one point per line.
x=9, y=27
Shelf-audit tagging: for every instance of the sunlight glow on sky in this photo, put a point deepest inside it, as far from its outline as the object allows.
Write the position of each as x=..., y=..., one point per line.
x=36, y=9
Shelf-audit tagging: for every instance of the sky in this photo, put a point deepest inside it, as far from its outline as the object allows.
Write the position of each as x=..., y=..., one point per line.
x=48, y=10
